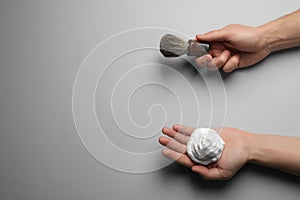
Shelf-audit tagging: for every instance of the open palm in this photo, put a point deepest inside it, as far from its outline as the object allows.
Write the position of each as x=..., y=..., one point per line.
x=234, y=156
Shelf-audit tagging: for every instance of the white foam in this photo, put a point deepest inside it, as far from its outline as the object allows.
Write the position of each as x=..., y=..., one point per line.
x=205, y=146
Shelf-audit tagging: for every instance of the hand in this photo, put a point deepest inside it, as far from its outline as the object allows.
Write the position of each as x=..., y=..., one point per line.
x=234, y=156
x=234, y=46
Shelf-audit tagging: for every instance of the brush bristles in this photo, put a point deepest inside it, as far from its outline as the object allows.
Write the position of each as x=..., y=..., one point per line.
x=172, y=46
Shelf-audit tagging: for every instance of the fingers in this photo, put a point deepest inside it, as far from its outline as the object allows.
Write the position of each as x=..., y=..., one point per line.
x=186, y=130
x=178, y=157
x=183, y=139
x=220, y=58
x=172, y=144
x=232, y=63
x=219, y=61
x=203, y=60
x=176, y=149
x=225, y=60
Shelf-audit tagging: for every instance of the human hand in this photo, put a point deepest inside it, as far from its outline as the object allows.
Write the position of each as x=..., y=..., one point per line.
x=234, y=46
x=234, y=156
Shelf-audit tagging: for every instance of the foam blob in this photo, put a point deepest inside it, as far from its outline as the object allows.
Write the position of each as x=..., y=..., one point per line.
x=205, y=146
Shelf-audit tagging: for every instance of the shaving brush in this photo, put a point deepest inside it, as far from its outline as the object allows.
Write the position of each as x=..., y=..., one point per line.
x=173, y=46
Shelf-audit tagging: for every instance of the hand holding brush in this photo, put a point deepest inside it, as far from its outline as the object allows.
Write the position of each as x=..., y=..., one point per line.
x=232, y=47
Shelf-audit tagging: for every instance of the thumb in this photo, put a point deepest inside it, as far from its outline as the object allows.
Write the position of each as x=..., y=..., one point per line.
x=213, y=36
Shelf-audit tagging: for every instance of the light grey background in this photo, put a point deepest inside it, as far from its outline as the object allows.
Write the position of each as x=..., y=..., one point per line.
x=43, y=43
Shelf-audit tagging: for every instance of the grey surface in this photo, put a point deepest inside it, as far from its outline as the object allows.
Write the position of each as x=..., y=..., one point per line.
x=43, y=43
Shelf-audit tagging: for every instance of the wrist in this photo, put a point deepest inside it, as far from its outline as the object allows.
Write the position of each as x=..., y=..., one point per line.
x=252, y=147
x=271, y=36
x=282, y=33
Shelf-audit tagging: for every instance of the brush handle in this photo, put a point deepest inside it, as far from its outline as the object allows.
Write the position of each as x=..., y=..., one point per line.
x=205, y=45
x=197, y=48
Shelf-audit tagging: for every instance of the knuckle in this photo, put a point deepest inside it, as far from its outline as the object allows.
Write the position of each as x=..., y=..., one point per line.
x=231, y=26
x=199, y=62
x=223, y=58
x=227, y=69
x=212, y=34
